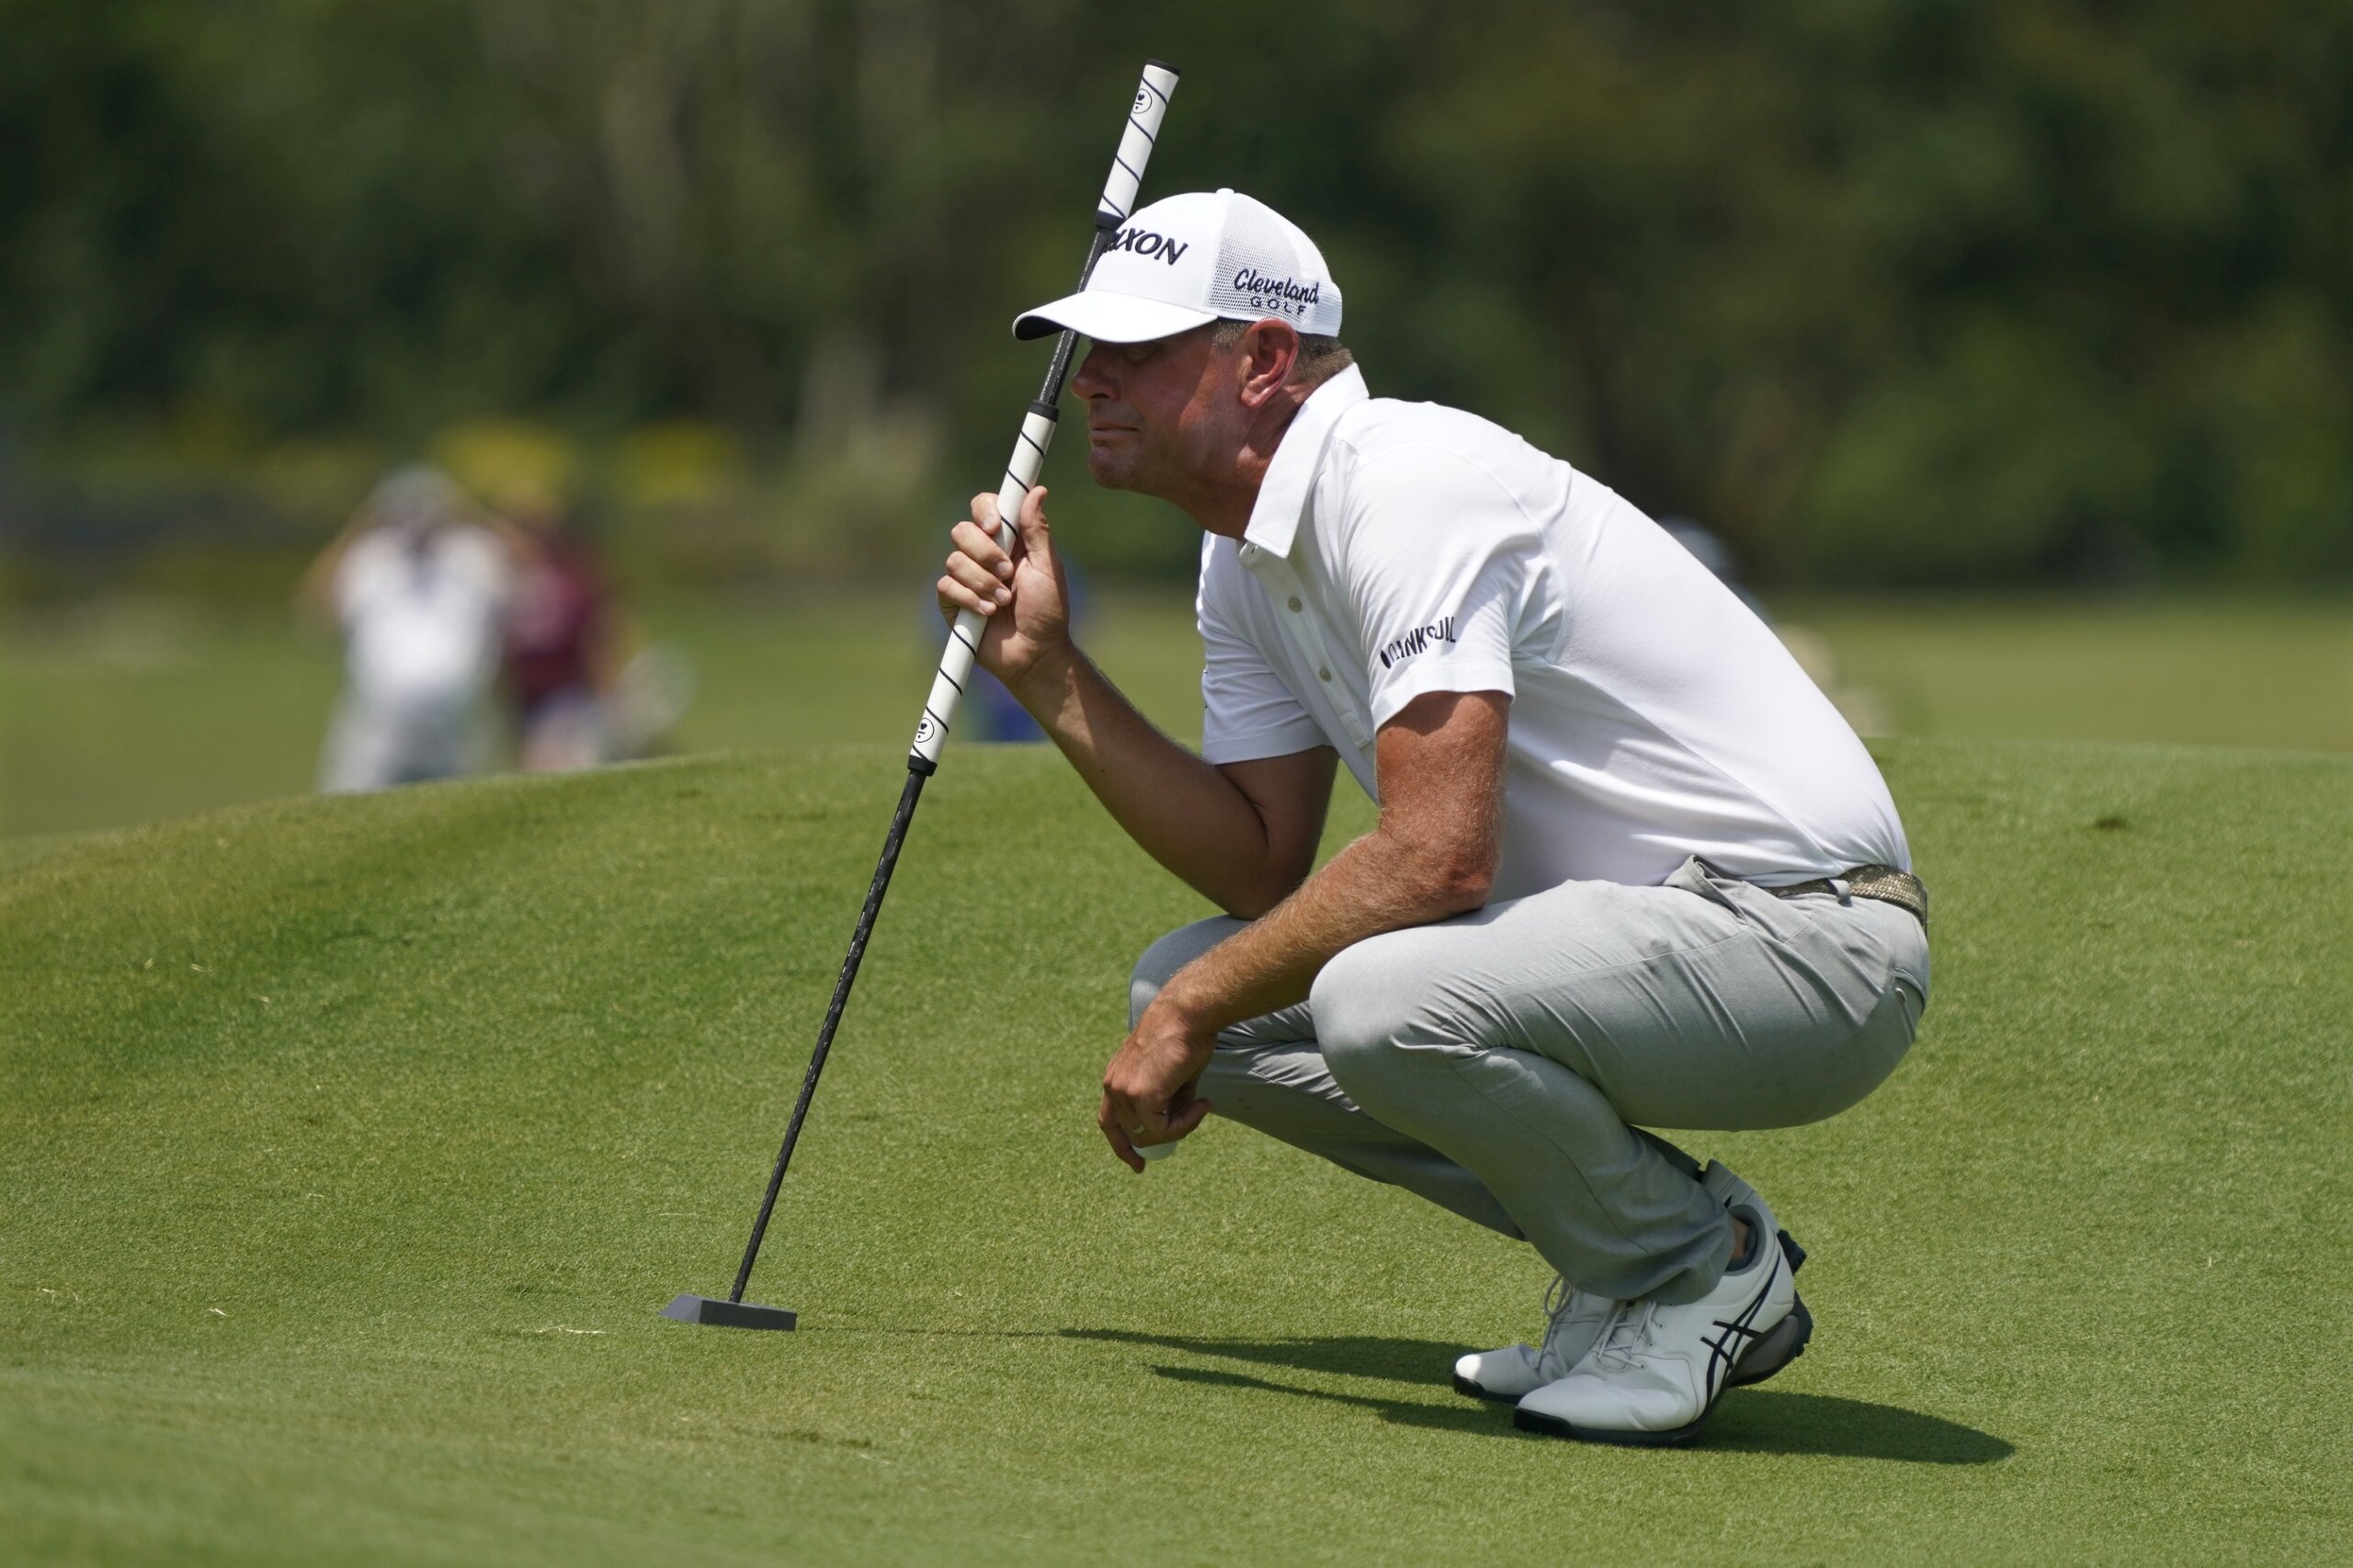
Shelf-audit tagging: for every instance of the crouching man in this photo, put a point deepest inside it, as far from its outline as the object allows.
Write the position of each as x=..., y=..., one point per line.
x=1631, y=868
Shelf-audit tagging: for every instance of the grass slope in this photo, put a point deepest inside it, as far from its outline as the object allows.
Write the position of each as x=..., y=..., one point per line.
x=347, y=1149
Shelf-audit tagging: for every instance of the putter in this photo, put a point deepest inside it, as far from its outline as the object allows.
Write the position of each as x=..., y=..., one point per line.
x=1111, y=210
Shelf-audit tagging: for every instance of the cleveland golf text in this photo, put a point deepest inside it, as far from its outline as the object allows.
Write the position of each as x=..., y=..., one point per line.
x=1285, y=296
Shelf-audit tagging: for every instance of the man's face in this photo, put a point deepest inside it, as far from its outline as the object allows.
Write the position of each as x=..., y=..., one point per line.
x=1158, y=414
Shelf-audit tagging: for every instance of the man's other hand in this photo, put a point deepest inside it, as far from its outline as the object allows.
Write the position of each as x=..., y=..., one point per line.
x=1020, y=593
x=1148, y=1089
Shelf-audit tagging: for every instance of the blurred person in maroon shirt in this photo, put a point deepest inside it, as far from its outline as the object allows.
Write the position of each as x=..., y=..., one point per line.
x=560, y=664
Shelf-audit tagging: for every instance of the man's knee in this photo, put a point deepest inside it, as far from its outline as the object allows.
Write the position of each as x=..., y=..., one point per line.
x=1171, y=953
x=1369, y=1001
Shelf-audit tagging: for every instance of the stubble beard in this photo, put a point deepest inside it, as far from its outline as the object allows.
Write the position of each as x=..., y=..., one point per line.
x=1126, y=466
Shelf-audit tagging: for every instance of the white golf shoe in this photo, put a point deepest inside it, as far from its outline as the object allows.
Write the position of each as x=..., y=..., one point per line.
x=1575, y=1324
x=1658, y=1369
x=1575, y=1318
x=1786, y=1341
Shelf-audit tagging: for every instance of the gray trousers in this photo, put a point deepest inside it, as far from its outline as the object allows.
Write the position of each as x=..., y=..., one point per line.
x=1499, y=1064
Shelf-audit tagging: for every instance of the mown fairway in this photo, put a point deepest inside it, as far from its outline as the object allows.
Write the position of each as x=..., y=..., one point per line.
x=347, y=1150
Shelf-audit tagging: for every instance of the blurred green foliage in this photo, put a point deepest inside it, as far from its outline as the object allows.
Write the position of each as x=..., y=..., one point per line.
x=1889, y=291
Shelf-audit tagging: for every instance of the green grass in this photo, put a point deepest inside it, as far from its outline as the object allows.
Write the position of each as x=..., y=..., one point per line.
x=128, y=713
x=2243, y=672
x=350, y=1147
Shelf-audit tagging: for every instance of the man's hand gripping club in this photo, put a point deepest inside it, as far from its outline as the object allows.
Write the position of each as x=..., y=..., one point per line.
x=1021, y=595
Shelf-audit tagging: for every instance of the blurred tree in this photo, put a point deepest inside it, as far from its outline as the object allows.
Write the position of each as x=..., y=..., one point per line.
x=1887, y=290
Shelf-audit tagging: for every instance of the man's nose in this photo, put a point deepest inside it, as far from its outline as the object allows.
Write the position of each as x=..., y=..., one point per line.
x=1092, y=380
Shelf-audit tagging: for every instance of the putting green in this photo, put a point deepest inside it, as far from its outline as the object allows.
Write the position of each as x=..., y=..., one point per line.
x=349, y=1149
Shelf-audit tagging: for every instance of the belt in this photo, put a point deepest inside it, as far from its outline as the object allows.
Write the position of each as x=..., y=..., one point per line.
x=1885, y=884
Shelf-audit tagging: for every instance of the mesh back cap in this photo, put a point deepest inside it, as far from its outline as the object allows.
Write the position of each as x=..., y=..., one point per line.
x=1190, y=259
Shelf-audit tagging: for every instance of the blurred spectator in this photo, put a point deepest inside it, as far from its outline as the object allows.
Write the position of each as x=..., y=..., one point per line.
x=561, y=674
x=417, y=583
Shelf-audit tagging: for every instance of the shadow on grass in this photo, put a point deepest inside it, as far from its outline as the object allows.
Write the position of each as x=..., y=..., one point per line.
x=1761, y=1421
x=1459, y=1416
x=1748, y=1421
x=1416, y=1361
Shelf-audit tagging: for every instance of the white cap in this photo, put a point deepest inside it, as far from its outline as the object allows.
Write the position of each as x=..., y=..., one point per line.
x=1190, y=259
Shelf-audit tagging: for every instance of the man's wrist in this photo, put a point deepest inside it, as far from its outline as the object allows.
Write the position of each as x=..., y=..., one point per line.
x=1047, y=684
x=1185, y=1008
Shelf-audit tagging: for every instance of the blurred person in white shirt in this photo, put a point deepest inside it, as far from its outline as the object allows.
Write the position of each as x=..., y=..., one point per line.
x=418, y=585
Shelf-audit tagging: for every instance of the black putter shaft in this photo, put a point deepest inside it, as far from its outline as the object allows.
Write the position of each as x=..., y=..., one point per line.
x=931, y=732
x=918, y=769
x=881, y=885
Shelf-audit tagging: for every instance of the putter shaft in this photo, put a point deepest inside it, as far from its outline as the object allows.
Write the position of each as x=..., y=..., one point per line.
x=956, y=663
x=908, y=796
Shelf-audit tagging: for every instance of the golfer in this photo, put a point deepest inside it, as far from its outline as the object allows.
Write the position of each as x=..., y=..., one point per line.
x=1631, y=868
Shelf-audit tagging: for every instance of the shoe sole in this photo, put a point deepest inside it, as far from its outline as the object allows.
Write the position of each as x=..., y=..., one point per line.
x=1554, y=1427
x=1463, y=1385
x=1784, y=1345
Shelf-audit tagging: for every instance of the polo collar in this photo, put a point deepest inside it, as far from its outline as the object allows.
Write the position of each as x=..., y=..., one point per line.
x=1282, y=494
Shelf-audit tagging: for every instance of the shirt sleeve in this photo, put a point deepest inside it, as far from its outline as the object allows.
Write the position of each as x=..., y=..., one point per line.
x=1246, y=711
x=360, y=576
x=1436, y=557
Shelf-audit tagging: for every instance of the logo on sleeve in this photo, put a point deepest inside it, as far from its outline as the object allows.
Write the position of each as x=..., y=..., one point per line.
x=1398, y=649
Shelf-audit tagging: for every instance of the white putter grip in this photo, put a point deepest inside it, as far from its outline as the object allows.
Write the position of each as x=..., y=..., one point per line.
x=1135, y=144
x=964, y=637
x=1029, y=458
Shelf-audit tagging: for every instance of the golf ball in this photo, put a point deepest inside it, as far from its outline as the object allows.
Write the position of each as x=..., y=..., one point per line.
x=1154, y=1151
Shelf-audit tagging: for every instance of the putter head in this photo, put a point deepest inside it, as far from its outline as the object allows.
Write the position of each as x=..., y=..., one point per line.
x=729, y=1314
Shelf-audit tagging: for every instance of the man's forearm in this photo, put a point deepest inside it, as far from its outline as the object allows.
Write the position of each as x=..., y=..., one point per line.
x=1183, y=811
x=1433, y=855
x=1376, y=884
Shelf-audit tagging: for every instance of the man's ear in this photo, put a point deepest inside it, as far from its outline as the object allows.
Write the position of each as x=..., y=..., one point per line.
x=1269, y=353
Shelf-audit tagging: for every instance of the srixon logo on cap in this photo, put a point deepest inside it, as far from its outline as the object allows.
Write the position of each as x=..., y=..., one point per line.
x=1144, y=242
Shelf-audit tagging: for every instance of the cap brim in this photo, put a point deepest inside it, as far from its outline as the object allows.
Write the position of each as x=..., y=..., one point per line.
x=1111, y=318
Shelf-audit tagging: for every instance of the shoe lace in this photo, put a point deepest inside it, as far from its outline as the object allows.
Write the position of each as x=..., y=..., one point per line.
x=1559, y=1296
x=1626, y=1336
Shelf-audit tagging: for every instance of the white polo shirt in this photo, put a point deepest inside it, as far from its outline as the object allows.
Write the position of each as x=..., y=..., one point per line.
x=1403, y=548
x=422, y=619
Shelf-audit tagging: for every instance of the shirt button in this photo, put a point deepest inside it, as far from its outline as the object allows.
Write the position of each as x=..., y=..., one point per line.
x=1324, y=674
x=1294, y=601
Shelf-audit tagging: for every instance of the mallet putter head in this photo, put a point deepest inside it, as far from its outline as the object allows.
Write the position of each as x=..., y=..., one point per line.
x=729, y=1314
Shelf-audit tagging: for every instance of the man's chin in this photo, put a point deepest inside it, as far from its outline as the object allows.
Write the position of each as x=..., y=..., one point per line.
x=1110, y=471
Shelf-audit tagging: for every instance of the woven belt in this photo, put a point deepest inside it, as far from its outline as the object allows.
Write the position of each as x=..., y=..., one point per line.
x=1885, y=884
